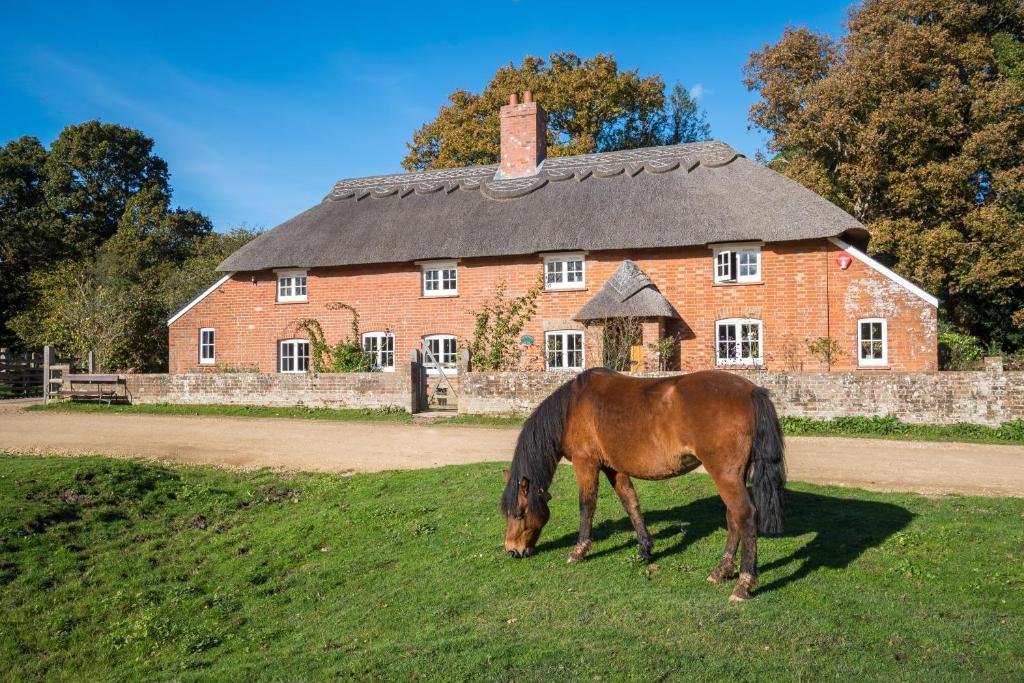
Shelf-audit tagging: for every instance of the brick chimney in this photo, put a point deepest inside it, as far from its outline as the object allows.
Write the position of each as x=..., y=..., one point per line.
x=523, y=136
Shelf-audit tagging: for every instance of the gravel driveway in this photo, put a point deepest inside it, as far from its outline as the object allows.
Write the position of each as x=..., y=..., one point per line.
x=924, y=467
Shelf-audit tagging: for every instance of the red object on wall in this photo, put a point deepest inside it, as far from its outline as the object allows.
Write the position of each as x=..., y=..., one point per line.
x=844, y=261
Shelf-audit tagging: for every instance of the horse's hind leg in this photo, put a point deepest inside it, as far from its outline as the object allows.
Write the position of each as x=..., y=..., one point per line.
x=587, y=479
x=727, y=566
x=627, y=494
x=742, y=523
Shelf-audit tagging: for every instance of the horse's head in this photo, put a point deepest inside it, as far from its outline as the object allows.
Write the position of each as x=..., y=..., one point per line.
x=526, y=518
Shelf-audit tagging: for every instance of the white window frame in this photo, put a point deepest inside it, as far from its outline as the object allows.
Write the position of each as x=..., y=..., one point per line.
x=294, y=343
x=445, y=286
x=725, y=263
x=558, y=264
x=203, y=345
x=564, y=351
x=292, y=281
x=378, y=353
x=872, y=362
x=451, y=368
x=737, y=358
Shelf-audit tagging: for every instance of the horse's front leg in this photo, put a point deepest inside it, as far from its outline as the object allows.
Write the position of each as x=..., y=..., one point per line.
x=586, y=478
x=627, y=494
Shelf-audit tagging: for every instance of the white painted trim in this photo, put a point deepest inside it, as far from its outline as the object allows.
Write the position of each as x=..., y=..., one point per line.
x=864, y=258
x=564, y=257
x=448, y=371
x=207, y=361
x=757, y=360
x=565, y=352
x=430, y=266
x=873, y=362
x=199, y=298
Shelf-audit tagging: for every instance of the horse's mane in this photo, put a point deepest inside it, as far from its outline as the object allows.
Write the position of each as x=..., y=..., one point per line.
x=539, y=447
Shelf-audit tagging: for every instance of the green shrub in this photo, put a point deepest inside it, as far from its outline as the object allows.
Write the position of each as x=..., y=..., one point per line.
x=959, y=351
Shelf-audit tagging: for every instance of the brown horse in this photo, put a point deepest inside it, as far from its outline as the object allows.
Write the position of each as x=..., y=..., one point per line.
x=652, y=428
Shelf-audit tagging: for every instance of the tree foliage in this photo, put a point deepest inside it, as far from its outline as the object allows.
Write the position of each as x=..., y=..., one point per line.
x=94, y=255
x=592, y=106
x=914, y=122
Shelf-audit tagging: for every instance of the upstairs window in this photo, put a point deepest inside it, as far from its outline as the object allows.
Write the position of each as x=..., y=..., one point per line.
x=291, y=285
x=294, y=356
x=207, y=346
x=440, y=278
x=564, y=271
x=443, y=356
x=872, y=342
x=381, y=348
x=563, y=350
x=737, y=263
x=739, y=341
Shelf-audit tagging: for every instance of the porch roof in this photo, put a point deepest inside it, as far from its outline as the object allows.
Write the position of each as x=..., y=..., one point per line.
x=628, y=293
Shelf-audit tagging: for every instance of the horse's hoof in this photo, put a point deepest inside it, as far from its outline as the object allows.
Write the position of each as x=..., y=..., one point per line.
x=573, y=558
x=714, y=579
x=739, y=597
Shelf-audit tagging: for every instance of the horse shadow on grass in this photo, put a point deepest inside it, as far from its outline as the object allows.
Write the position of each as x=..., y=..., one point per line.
x=843, y=529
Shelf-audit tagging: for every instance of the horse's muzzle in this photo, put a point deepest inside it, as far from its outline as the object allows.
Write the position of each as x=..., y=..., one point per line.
x=519, y=554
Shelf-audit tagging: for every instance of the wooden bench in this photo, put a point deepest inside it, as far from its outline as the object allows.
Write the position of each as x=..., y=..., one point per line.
x=94, y=388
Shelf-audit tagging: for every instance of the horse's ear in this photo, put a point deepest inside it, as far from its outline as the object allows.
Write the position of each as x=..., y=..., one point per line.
x=524, y=486
x=505, y=474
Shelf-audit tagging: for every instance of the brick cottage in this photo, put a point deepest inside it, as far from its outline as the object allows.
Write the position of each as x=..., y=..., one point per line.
x=741, y=265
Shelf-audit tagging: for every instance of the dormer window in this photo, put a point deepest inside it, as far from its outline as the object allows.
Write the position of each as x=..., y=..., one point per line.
x=736, y=263
x=291, y=286
x=440, y=278
x=565, y=271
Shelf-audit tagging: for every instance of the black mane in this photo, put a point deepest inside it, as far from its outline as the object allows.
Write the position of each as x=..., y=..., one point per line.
x=539, y=447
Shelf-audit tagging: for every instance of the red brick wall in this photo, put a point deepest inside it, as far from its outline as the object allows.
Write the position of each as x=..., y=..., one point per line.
x=804, y=295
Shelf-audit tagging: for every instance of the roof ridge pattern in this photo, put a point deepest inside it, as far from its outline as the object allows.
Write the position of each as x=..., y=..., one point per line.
x=632, y=162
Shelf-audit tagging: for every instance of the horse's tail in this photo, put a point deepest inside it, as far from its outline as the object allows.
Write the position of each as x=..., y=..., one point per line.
x=539, y=447
x=767, y=464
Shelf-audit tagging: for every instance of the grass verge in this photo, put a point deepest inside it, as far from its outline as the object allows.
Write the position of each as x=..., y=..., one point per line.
x=118, y=570
x=861, y=427
x=365, y=414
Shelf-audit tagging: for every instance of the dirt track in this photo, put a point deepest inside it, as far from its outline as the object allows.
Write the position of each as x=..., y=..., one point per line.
x=923, y=467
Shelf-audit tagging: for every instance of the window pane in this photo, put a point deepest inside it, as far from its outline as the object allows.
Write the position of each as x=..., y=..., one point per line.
x=574, y=271
x=554, y=272
x=431, y=279
x=300, y=286
x=302, y=356
x=287, y=357
x=449, y=279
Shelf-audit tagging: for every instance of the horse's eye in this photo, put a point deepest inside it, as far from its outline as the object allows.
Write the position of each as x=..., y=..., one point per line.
x=519, y=515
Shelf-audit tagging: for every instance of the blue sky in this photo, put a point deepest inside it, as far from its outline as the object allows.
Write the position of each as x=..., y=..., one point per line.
x=258, y=108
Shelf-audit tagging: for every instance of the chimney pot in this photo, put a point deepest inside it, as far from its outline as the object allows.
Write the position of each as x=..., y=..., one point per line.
x=513, y=99
x=527, y=96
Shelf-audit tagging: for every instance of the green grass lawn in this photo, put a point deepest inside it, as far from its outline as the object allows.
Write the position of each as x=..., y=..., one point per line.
x=866, y=427
x=115, y=570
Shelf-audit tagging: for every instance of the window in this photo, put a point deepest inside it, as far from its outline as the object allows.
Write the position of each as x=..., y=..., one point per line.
x=872, y=342
x=440, y=278
x=737, y=263
x=563, y=350
x=381, y=347
x=295, y=355
x=291, y=285
x=444, y=351
x=739, y=341
x=564, y=271
x=207, y=346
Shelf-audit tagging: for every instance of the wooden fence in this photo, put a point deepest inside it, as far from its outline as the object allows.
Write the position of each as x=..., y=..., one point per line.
x=21, y=373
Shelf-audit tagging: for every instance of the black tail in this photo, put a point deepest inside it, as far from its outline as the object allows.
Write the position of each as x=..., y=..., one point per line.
x=539, y=447
x=767, y=464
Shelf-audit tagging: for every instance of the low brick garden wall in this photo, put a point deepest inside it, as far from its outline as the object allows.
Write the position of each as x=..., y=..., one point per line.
x=343, y=390
x=984, y=397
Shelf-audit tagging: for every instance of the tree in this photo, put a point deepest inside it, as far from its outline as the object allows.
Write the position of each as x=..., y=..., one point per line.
x=94, y=255
x=92, y=170
x=914, y=122
x=27, y=235
x=592, y=106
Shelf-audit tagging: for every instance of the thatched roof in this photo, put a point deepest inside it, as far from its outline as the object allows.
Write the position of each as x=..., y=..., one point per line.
x=680, y=195
x=628, y=293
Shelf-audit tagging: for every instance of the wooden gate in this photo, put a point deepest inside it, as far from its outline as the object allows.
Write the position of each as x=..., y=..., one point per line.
x=21, y=373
